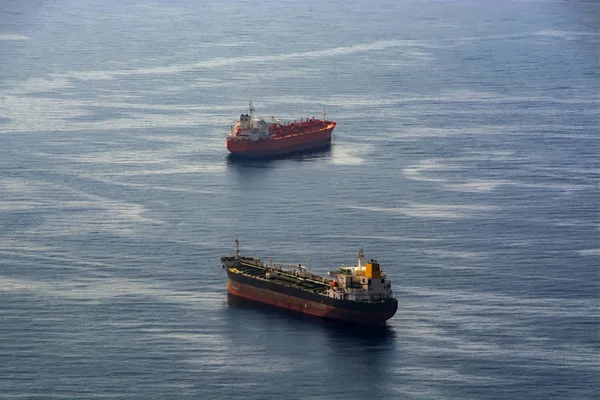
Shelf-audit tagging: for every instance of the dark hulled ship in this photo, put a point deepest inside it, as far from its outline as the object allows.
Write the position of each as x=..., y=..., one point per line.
x=359, y=294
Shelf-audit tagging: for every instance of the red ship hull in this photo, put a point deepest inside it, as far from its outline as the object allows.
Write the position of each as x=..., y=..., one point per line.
x=282, y=144
x=306, y=306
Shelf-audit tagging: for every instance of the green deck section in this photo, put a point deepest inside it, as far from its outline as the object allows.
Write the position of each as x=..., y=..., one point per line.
x=256, y=268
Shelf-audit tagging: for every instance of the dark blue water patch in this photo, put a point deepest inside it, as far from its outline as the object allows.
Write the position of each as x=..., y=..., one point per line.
x=15, y=221
x=101, y=117
x=98, y=113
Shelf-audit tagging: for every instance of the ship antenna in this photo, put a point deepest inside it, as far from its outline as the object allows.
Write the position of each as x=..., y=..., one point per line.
x=251, y=112
x=309, y=260
x=237, y=249
x=324, y=114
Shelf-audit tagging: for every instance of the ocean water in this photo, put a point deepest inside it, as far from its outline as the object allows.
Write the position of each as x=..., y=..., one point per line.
x=466, y=160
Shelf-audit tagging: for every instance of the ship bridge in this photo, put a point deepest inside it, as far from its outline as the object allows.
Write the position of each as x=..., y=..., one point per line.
x=363, y=282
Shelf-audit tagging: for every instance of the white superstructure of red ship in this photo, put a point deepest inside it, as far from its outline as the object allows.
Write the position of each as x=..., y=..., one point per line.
x=251, y=137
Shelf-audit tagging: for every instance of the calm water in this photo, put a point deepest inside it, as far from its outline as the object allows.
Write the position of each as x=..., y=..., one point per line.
x=466, y=159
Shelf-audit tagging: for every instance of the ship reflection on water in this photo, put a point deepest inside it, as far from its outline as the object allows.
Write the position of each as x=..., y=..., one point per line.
x=321, y=153
x=252, y=172
x=332, y=349
x=336, y=328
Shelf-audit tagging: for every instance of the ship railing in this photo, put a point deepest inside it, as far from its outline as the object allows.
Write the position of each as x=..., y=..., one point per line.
x=380, y=298
x=303, y=280
x=342, y=271
x=300, y=284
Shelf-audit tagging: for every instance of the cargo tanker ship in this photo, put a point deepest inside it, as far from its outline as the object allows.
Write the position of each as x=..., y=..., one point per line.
x=359, y=294
x=257, y=138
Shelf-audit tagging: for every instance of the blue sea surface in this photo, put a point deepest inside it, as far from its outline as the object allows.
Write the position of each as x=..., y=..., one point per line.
x=465, y=159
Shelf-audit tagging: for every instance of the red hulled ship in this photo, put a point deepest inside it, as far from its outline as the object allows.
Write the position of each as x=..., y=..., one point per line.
x=358, y=294
x=250, y=137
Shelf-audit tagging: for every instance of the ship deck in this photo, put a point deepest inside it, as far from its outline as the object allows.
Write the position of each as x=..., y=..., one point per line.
x=286, y=278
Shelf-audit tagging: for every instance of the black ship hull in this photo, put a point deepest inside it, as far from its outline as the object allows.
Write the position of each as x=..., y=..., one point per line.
x=297, y=299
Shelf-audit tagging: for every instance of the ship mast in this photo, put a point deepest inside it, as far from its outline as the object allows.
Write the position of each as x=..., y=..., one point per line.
x=237, y=249
x=361, y=256
x=324, y=113
x=251, y=112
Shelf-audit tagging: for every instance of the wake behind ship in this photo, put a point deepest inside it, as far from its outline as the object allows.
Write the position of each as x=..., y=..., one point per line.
x=359, y=294
x=250, y=137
